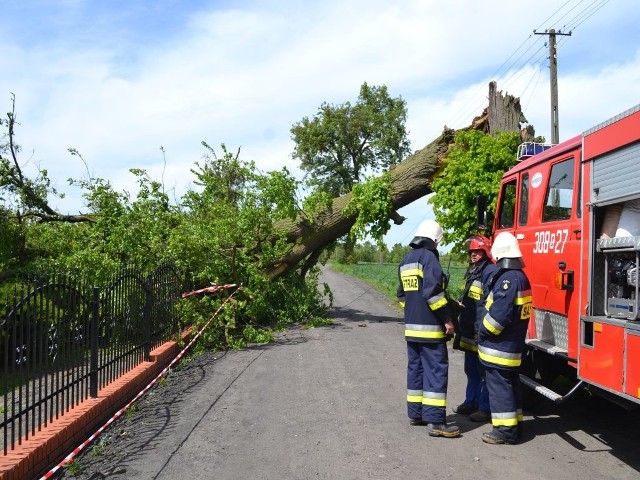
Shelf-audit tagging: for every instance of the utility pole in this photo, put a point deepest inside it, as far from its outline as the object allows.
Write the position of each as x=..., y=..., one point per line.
x=553, y=72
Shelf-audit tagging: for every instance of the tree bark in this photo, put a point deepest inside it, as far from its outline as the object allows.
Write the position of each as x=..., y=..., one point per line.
x=410, y=180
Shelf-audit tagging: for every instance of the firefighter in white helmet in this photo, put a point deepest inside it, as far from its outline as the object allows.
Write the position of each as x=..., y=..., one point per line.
x=428, y=323
x=481, y=268
x=501, y=339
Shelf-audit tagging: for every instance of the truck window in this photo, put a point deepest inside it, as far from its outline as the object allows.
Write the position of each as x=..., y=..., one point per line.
x=507, y=207
x=559, y=197
x=524, y=200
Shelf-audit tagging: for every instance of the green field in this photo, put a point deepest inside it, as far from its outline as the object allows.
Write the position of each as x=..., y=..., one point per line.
x=384, y=276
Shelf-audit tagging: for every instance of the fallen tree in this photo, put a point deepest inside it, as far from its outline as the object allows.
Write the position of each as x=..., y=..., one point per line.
x=410, y=180
x=306, y=237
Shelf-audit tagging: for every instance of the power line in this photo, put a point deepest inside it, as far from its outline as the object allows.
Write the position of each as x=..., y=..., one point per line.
x=513, y=68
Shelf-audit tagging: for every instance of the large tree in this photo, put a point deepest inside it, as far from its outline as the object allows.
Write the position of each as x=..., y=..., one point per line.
x=342, y=144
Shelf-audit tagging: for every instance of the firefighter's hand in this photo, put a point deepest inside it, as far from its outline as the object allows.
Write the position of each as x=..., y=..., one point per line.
x=448, y=328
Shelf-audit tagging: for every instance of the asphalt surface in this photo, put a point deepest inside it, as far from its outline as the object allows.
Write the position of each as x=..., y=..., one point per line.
x=329, y=403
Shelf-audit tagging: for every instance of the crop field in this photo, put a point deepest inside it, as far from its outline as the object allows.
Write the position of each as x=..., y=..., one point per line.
x=384, y=276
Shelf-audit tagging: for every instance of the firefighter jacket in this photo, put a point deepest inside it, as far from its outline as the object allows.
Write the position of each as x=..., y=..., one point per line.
x=422, y=293
x=502, y=333
x=472, y=300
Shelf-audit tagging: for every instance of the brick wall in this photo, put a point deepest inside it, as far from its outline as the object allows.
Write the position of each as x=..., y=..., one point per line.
x=41, y=452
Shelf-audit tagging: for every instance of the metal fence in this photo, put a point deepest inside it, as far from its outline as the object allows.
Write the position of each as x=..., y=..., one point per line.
x=61, y=341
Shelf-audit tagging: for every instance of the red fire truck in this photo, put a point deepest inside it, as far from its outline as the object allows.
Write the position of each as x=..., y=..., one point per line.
x=575, y=209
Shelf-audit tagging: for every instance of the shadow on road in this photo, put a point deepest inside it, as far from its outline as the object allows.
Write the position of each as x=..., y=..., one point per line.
x=353, y=315
x=589, y=424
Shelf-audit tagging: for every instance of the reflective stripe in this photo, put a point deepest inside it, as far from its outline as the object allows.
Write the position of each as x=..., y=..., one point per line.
x=468, y=344
x=401, y=304
x=505, y=419
x=414, y=396
x=423, y=331
x=419, y=326
x=434, y=399
x=520, y=415
x=423, y=334
x=497, y=357
x=468, y=341
x=437, y=301
x=523, y=297
x=411, y=269
x=489, y=301
x=491, y=325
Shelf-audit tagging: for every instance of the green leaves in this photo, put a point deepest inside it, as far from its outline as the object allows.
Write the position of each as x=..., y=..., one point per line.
x=372, y=203
x=473, y=166
x=221, y=231
x=343, y=143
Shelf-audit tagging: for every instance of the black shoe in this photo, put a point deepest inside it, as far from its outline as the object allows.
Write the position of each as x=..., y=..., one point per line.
x=442, y=430
x=494, y=439
x=480, y=416
x=416, y=422
x=464, y=409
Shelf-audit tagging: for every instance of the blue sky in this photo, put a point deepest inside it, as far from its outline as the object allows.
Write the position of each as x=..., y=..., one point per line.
x=119, y=79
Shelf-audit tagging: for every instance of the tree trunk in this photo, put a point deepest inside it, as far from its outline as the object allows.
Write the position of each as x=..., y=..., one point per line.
x=410, y=180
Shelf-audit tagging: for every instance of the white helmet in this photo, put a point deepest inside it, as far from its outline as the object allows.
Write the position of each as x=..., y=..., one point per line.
x=505, y=245
x=430, y=229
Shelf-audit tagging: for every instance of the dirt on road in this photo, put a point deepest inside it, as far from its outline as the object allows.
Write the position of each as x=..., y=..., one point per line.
x=329, y=403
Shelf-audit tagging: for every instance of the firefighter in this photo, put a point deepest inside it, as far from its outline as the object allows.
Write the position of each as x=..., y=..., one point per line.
x=476, y=277
x=428, y=324
x=501, y=339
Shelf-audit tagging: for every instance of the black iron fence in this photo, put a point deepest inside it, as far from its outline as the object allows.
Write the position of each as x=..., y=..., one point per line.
x=61, y=341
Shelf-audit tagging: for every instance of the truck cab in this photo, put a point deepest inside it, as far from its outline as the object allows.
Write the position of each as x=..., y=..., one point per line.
x=567, y=205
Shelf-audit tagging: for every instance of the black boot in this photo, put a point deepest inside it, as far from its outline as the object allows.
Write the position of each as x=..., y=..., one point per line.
x=442, y=430
x=495, y=439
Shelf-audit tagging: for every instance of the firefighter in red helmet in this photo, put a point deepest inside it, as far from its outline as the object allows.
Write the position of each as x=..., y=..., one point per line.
x=476, y=402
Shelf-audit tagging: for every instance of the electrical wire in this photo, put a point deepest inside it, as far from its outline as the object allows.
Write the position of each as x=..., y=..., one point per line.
x=513, y=68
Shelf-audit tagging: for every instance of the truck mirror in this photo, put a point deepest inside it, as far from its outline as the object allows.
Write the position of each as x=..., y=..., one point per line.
x=481, y=205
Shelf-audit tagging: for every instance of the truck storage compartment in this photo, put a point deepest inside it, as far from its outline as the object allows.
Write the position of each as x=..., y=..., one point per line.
x=621, y=257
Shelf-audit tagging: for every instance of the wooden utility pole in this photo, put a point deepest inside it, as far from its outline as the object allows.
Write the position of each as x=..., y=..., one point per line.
x=553, y=72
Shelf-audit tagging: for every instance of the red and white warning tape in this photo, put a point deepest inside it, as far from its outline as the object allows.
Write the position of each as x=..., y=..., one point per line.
x=212, y=289
x=69, y=458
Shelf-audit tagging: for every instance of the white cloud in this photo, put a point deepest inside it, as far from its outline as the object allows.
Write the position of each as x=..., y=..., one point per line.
x=244, y=76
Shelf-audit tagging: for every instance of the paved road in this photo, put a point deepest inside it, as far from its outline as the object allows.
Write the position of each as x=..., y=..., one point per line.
x=329, y=403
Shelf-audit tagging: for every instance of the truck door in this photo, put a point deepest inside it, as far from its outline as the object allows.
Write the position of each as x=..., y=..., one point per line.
x=553, y=235
x=540, y=205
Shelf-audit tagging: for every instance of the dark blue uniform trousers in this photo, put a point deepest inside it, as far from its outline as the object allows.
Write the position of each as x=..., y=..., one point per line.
x=505, y=400
x=427, y=379
x=476, y=392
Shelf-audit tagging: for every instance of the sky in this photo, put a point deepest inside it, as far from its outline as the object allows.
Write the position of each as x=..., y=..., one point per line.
x=140, y=84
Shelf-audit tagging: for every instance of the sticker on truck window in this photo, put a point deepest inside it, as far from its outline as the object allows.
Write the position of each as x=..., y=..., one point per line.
x=548, y=241
x=536, y=180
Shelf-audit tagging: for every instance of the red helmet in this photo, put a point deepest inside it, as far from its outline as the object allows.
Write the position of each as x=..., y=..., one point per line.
x=479, y=242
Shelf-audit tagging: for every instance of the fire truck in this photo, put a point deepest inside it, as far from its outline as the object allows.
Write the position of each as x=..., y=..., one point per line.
x=575, y=210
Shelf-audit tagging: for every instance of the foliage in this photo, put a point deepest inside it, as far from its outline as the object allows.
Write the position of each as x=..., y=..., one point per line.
x=367, y=252
x=474, y=166
x=372, y=203
x=343, y=143
x=221, y=231
x=73, y=468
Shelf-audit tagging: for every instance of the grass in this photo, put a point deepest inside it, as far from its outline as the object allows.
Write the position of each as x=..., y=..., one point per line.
x=384, y=276
x=131, y=410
